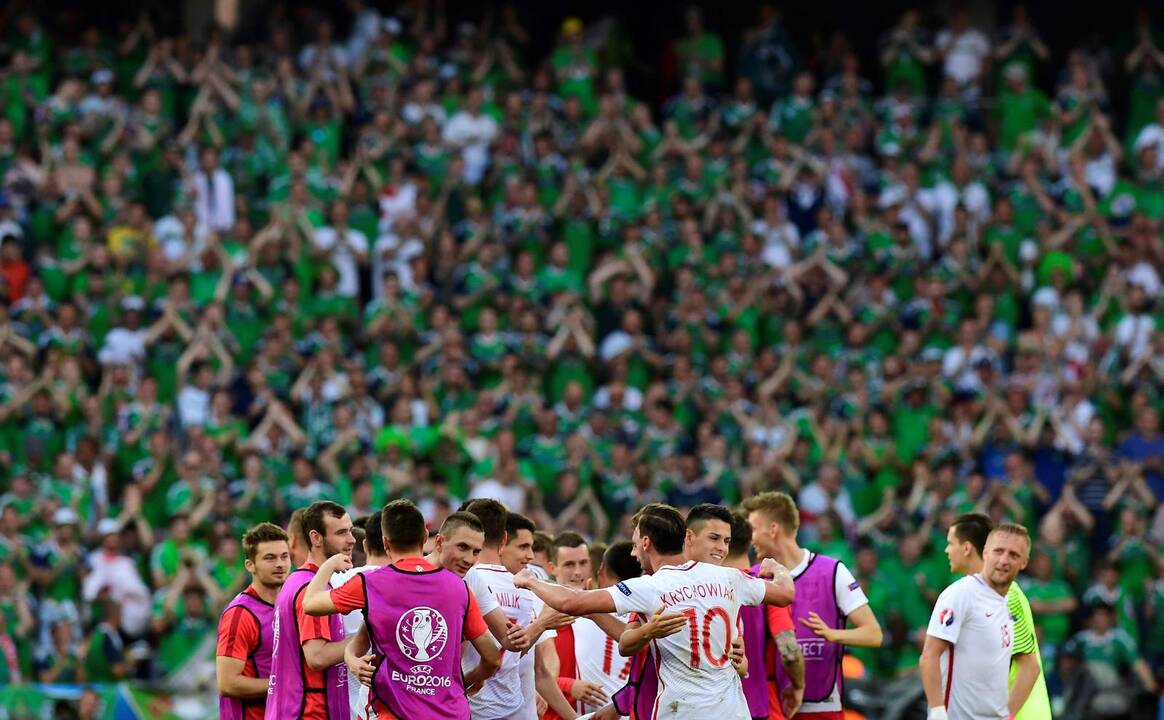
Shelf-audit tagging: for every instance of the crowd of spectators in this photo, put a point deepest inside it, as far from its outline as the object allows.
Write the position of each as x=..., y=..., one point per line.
x=401, y=256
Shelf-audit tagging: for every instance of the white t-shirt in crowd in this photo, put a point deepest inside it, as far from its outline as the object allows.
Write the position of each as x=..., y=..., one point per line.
x=343, y=252
x=850, y=597
x=124, y=345
x=965, y=52
x=1134, y=333
x=118, y=573
x=504, y=694
x=696, y=677
x=974, y=618
x=814, y=499
x=513, y=496
x=472, y=133
x=193, y=405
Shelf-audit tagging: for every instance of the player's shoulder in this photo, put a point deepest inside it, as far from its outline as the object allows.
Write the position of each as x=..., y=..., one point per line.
x=492, y=577
x=705, y=570
x=1017, y=602
x=1016, y=593
x=965, y=585
x=630, y=586
x=488, y=570
x=236, y=608
x=237, y=617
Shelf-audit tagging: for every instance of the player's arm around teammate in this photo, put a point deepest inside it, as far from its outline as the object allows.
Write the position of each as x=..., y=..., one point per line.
x=778, y=590
x=577, y=603
x=637, y=636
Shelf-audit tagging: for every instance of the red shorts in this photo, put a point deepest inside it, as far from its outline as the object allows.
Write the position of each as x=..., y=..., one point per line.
x=828, y=715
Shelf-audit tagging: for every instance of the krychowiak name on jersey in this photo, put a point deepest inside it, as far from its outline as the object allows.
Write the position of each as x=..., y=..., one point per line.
x=696, y=678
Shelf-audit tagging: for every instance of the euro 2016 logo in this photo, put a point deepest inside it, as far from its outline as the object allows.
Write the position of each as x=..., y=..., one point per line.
x=946, y=617
x=421, y=634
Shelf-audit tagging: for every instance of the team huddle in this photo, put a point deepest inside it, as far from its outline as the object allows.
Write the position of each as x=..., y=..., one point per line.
x=718, y=611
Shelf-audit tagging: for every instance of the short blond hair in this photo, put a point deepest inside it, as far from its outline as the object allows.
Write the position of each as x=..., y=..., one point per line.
x=1013, y=529
x=777, y=507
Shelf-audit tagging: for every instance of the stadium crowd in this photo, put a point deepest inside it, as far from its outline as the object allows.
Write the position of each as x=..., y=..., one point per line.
x=401, y=257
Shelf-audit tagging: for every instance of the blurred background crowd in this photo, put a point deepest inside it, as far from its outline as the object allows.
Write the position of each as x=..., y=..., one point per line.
x=412, y=251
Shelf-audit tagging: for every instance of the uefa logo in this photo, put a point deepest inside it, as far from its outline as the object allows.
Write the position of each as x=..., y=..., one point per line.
x=421, y=634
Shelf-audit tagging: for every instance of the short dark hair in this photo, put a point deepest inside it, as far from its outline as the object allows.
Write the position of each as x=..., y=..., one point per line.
x=402, y=524
x=516, y=521
x=973, y=528
x=663, y=525
x=492, y=515
x=313, y=515
x=544, y=542
x=459, y=520
x=374, y=532
x=259, y=534
x=620, y=562
x=703, y=512
x=597, y=553
x=741, y=540
x=568, y=539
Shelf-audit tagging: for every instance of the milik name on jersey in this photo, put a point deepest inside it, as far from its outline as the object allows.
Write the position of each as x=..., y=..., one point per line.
x=507, y=599
x=698, y=590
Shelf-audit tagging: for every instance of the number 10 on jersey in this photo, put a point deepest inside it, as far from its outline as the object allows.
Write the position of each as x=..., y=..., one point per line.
x=701, y=636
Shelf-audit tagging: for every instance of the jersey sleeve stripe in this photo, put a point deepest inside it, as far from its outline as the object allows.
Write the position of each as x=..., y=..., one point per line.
x=949, y=678
x=1024, y=630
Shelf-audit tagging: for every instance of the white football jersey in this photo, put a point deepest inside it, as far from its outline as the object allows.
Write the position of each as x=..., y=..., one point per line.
x=504, y=694
x=975, y=619
x=357, y=691
x=696, y=677
x=596, y=654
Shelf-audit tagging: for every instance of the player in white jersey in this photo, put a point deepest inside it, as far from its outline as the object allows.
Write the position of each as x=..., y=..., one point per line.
x=353, y=621
x=510, y=694
x=569, y=564
x=965, y=663
x=595, y=651
x=708, y=536
x=696, y=676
